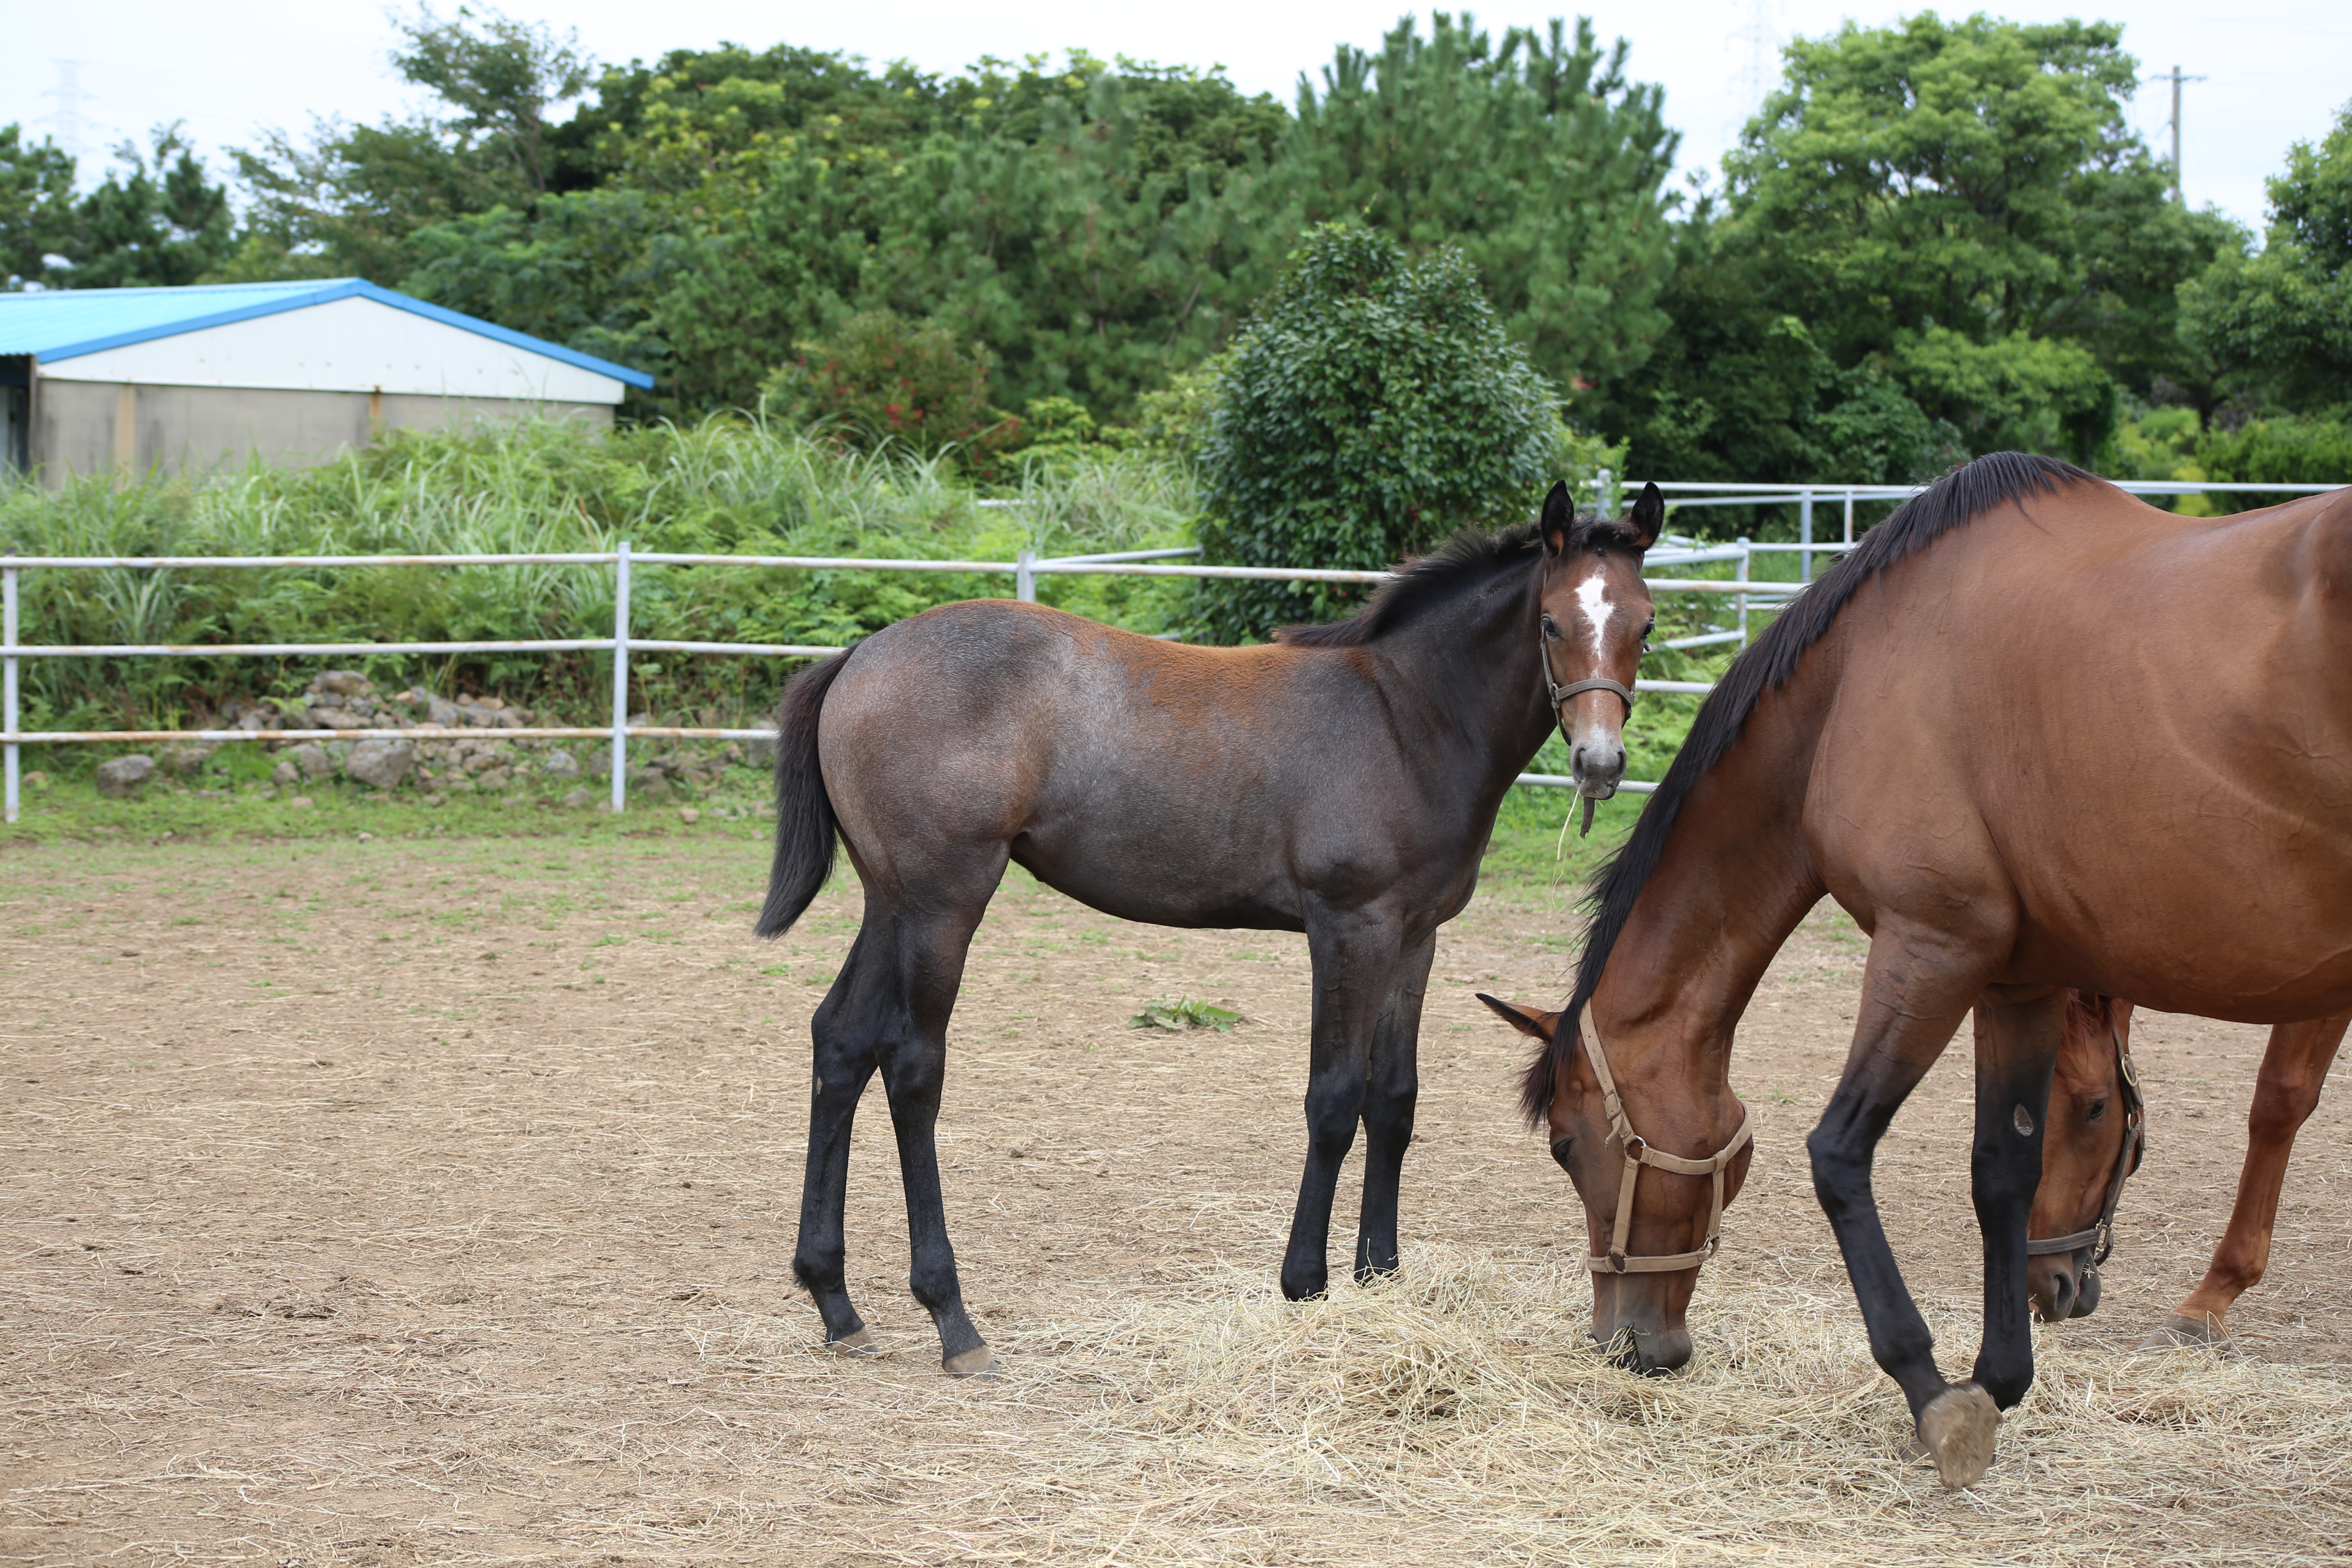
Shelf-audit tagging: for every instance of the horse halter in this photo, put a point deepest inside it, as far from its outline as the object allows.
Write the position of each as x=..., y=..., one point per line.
x=1639, y=1153
x=1559, y=696
x=2102, y=1235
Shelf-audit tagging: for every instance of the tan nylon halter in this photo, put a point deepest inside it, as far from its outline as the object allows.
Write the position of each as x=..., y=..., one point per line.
x=1639, y=1153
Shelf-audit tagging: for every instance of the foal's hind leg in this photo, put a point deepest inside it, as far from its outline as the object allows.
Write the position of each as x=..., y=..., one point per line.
x=889, y=1008
x=2294, y=1069
x=1392, y=1086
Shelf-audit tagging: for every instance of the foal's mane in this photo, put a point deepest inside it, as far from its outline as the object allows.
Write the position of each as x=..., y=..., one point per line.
x=1468, y=560
x=1965, y=493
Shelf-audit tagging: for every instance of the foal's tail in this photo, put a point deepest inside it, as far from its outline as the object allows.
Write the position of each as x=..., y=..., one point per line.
x=806, y=840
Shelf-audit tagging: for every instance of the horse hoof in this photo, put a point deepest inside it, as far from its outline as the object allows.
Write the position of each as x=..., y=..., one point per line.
x=1958, y=1426
x=860, y=1343
x=978, y=1361
x=2178, y=1332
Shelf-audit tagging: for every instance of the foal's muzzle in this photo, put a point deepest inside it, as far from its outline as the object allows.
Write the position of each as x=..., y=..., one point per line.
x=1597, y=766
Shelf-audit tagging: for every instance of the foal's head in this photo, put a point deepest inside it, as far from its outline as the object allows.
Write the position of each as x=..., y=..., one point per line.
x=1637, y=1316
x=1595, y=615
x=2090, y=1141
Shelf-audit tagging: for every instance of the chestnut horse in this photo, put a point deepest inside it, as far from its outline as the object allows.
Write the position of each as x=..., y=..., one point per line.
x=2091, y=1145
x=2032, y=734
x=1341, y=782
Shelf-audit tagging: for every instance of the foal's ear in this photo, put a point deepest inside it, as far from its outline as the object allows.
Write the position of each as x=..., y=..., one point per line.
x=1559, y=518
x=1649, y=515
x=1525, y=1019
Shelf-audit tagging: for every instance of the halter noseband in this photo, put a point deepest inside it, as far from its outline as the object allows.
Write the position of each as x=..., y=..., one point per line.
x=1561, y=694
x=1639, y=1153
x=2102, y=1235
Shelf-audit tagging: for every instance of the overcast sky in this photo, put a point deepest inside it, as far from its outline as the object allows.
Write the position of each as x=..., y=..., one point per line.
x=2276, y=70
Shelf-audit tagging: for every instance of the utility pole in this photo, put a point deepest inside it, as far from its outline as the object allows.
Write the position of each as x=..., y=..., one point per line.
x=72, y=128
x=2176, y=78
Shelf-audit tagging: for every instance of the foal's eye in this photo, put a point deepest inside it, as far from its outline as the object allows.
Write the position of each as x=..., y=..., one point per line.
x=2099, y=1109
x=1551, y=629
x=1562, y=1150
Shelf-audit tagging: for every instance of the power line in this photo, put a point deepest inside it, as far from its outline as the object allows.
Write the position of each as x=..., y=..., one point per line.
x=2176, y=78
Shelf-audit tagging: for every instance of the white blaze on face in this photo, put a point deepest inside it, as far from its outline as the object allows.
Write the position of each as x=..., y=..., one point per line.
x=1592, y=595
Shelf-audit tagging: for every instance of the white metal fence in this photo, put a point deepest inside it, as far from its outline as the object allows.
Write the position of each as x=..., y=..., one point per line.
x=1748, y=594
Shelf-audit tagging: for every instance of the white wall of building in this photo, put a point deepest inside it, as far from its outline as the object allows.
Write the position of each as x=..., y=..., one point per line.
x=345, y=345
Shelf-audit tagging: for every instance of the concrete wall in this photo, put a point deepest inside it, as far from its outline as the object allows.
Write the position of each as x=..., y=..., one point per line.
x=89, y=427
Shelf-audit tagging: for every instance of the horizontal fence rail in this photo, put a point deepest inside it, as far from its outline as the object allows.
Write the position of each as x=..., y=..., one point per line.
x=1748, y=594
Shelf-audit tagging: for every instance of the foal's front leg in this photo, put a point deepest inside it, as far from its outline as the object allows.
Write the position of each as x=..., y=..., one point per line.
x=1391, y=1089
x=1355, y=956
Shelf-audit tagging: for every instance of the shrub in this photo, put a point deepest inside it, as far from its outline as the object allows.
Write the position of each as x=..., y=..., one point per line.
x=881, y=380
x=2284, y=451
x=1373, y=405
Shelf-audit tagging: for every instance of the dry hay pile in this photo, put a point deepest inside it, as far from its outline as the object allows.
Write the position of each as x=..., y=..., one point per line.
x=1457, y=1414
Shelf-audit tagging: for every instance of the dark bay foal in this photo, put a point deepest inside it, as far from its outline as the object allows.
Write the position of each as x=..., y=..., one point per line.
x=1341, y=782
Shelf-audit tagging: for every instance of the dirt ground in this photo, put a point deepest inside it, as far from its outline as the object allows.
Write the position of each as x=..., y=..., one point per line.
x=392, y=1203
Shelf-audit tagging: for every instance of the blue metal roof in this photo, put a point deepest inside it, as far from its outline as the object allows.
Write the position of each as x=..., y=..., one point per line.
x=61, y=323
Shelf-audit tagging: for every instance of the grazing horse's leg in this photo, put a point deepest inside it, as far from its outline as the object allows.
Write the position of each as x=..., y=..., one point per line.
x=1393, y=1084
x=1918, y=985
x=1355, y=956
x=2017, y=1047
x=2294, y=1069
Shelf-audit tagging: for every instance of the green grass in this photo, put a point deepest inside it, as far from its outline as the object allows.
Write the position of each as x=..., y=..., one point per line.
x=725, y=486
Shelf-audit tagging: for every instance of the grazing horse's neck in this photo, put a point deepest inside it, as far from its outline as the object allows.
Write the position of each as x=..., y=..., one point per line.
x=1734, y=880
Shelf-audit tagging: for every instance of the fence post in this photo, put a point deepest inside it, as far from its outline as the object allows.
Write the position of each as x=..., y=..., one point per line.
x=1603, y=485
x=9, y=675
x=1024, y=578
x=621, y=679
x=1805, y=537
x=1849, y=517
x=1740, y=575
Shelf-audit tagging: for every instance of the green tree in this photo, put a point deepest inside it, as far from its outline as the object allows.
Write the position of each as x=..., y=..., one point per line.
x=1091, y=262
x=1535, y=157
x=2280, y=324
x=1963, y=204
x=1373, y=404
x=36, y=207
x=157, y=219
x=1938, y=237
x=349, y=199
x=881, y=380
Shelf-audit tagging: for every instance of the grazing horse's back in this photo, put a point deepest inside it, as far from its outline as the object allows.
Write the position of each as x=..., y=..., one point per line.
x=2106, y=683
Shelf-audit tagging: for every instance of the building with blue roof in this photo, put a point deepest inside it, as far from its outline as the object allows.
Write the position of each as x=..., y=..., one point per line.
x=170, y=380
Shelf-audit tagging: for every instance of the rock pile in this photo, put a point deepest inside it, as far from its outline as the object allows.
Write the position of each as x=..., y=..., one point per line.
x=481, y=757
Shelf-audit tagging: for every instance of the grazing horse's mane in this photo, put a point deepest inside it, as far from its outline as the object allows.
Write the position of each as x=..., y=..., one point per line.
x=1471, y=558
x=1965, y=493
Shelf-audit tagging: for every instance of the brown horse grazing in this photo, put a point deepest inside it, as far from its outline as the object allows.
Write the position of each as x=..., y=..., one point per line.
x=2090, y=1147
x=2032, y=734
x=1341, y=782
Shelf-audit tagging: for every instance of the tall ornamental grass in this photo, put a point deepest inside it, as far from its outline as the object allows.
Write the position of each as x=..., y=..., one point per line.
x=726, y=486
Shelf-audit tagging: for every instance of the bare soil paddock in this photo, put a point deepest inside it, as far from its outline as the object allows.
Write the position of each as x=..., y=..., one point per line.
x=396, y=1203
